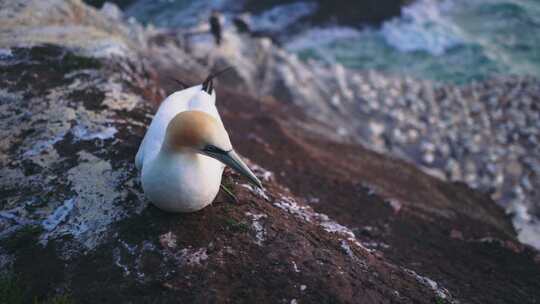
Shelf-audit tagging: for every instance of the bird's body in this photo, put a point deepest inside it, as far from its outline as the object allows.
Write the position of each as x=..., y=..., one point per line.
x=182, y=182
x=184, y=152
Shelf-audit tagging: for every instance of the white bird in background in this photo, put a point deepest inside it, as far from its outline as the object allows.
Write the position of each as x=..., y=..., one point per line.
x=185, y=149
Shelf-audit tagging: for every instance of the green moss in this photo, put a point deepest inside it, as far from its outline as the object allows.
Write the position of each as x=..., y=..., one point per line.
x=439, y=300
x=57, y=57
x=24, y=237
x=75, y=62
x=11, y=291
x=60, y=299
x=229, y=193
x=228, y=186
x=235, y=226
x=228, y=182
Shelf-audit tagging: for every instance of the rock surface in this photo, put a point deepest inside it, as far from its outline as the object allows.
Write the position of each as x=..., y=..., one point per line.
x=337, y=223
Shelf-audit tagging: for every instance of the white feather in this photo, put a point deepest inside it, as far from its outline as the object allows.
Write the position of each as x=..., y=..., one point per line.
x=189, y=99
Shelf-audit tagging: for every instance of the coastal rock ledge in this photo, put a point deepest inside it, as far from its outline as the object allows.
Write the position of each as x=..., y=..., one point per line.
x=336, y=222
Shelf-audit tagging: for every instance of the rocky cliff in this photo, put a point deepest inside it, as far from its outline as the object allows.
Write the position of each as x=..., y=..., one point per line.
x=484, y=134
x=336, y=223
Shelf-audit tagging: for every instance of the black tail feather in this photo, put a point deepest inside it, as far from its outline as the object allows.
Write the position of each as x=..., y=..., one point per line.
x=208, y=83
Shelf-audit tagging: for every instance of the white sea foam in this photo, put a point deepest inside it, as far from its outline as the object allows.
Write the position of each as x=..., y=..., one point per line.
x=423, y=26
x=281, y=16
x=317, y=36
x=323, y=42
x=5, y=53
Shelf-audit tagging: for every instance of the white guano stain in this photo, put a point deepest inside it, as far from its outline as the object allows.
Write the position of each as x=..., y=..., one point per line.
x=58, y=215
x=168, y=240
x=257, y=191
x=306, y=213
x=83, y=133
x=439, y=290
x=295, y=267
x=260, y=232
x=192, y=257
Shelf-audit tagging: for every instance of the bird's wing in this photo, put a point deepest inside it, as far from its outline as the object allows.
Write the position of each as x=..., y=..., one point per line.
x=169, y=108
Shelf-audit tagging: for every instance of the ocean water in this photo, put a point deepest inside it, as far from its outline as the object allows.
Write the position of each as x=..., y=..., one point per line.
x=456, y=41
x=173, y=13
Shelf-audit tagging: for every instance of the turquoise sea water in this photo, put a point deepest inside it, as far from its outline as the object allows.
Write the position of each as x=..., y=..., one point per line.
x=455, y=41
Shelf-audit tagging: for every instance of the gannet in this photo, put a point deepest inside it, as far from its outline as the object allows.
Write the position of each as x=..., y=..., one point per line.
x=184, y=151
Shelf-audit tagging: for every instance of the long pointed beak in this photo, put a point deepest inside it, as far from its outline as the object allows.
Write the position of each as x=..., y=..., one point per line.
x=232, y=160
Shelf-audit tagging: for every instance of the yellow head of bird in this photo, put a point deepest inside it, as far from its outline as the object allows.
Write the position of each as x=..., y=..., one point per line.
x=196, y=131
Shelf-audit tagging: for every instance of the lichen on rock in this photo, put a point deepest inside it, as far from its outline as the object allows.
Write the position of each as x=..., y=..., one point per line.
x=60, y=139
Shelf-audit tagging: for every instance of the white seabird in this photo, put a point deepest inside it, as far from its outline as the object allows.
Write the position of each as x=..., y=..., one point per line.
x=184, y=151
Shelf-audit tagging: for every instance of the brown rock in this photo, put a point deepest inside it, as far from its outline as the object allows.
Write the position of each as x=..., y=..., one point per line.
x=456, y=234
